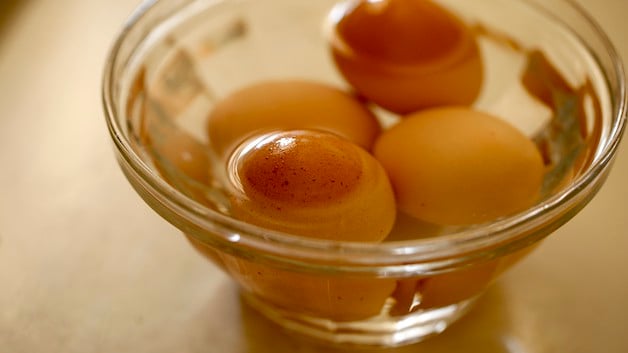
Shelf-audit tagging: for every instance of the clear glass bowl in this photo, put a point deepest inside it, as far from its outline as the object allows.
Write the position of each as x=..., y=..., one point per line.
x=175, y=58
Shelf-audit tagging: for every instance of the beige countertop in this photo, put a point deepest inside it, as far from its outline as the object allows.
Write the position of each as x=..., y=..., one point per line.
x=86, y=266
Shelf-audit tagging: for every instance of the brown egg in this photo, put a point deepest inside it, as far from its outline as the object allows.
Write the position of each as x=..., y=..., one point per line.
x=406, y=55
x=312, y=184
x=291, y=104
x=334, y=297
x=457, y=166
x=340, y=298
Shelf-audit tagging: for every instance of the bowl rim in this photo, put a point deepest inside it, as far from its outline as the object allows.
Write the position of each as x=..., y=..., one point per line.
x=215, y=229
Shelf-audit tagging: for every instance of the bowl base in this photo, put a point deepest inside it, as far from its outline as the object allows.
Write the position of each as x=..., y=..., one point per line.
x=379, y=331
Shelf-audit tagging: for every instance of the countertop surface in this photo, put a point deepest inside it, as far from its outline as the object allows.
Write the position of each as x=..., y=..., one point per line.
x=86, y=266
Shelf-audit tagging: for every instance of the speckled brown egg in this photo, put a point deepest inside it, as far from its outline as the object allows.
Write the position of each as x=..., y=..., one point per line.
x=313, y=184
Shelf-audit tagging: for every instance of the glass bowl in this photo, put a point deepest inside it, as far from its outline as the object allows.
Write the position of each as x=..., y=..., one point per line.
x=547, y=69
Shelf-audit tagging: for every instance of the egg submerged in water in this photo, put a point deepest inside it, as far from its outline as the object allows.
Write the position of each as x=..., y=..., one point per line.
x=289, y=104
x=458, y=166
x=312, y=184
x=406, y=55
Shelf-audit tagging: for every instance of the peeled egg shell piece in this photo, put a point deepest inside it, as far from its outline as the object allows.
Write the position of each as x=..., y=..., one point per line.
x=457, y=166
x=289, y=104
x=312, y=184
